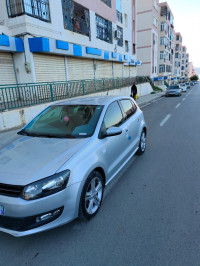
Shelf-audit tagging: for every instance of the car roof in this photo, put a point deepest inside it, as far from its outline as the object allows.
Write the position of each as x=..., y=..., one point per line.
x=92, y=100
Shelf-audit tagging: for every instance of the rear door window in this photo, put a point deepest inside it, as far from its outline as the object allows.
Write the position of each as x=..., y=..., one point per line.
x=129, y=108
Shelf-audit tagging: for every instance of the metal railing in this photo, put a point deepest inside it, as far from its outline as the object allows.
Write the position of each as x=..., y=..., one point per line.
x=22, y=95
x=80, y=25
x=35, y=8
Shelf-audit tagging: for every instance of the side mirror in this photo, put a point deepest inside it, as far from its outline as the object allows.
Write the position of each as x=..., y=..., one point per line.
x=113, y=131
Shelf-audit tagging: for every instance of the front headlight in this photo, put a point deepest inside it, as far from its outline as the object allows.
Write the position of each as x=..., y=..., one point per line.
x=46, y=186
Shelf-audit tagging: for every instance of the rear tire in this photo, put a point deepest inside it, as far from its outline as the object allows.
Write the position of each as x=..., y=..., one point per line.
x=91, y=196
x=142, y=144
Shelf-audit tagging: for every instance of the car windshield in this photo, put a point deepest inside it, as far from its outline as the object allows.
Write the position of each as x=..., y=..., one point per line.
x=64, y=121
x=173, y=87
x=187, y=83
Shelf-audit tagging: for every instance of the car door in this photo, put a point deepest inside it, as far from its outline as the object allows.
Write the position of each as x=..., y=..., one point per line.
x=132, y=124
x=114, y=147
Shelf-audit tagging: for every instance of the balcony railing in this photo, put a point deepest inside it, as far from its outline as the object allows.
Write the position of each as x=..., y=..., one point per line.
x=119, y=16
x=35, y=8
x=80, y=26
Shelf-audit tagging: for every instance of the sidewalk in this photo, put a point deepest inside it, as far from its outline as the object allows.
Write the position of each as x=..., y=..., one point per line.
x=143, y=100
x=6, y=137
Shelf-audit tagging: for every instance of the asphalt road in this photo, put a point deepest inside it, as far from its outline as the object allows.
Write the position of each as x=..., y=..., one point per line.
x=150, y=214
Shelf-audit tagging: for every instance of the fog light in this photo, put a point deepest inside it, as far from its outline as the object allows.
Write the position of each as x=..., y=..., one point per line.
x=48, y=215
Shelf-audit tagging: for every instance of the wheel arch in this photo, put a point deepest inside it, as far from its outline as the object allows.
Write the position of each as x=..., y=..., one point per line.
x=101, y=171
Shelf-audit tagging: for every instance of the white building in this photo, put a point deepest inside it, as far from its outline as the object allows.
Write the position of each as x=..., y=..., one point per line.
x=48, y=40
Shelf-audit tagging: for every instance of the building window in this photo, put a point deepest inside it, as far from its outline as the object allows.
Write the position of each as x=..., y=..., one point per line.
x=36, y=8
x=176, y=55
x=119, y=16
x=162, y=55
x=156, y=5
x=126, y=46
x=107, y=2
x=155, y=22
x=76, y=17
x=120, y=40
x=161, y=68
x=134, y=48
x=163, y=41
x=126, y=20
x=168, y=68
x=104, y=29
x=163, y=26
x=119, y=11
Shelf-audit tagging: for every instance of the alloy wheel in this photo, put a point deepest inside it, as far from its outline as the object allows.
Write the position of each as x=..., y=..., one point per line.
x=93, y=195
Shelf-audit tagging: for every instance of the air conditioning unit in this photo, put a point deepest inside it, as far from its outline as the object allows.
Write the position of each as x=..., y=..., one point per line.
x=117, y=34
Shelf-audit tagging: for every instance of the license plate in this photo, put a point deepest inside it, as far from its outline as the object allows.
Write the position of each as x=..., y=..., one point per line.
x=2, y=210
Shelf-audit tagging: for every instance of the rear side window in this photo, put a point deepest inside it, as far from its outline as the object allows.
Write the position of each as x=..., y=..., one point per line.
x=113, y=116
x=128, y=107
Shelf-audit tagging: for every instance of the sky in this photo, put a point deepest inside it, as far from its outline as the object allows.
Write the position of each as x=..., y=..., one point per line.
x=187, y=22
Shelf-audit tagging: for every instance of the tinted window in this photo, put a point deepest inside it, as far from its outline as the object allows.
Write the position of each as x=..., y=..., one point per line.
x=113, y=116
x=129, y=107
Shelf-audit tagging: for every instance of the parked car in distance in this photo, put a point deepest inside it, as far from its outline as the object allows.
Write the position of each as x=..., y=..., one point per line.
x=57, y=167
x=183, y=87
x=188, y=85
x=173, y=90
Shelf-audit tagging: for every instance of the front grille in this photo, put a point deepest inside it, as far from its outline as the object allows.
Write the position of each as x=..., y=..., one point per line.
x=10, y=190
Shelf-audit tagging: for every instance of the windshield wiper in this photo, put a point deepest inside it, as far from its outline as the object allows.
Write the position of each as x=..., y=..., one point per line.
x=25, y=133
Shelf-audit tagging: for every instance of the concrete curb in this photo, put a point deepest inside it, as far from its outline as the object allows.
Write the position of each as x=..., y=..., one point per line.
x=150, y=100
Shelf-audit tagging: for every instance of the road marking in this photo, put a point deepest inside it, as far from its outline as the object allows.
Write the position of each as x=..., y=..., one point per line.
x=177, y=106
x=165, y=120
x=183, y=99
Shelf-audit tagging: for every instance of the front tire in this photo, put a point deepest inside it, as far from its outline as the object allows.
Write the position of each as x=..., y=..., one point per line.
x=142, y=144
x=91, y=197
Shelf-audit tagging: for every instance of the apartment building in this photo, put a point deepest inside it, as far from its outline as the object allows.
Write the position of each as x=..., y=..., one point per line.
x=183, y=63
x=166, y=43
x=187, y=66
x=178, y=55
x=191, y=71
x=48, y=40
x=147, y=36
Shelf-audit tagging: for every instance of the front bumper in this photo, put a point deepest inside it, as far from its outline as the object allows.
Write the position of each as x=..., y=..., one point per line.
x=172, y=94
x=20, y=215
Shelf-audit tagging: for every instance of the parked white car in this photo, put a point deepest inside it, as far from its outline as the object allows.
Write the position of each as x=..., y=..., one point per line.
x=183, y=87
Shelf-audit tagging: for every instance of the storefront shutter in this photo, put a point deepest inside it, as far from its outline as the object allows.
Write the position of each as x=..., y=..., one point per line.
x=118, y=70
x=49, y=68
x=80, y=68
x=126, y=71
x=103, y=69
x=132, y=71
x=7, y=74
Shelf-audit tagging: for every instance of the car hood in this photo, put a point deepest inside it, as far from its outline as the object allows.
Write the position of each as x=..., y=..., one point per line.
x=28, y=159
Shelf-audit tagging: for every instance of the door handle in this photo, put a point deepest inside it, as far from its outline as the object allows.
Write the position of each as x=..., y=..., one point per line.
x=126, y=130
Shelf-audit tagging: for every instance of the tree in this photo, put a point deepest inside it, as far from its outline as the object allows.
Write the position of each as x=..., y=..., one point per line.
x=195, y=78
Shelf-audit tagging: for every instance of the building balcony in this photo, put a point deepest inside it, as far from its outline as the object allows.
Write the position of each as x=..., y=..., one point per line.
x=35, y=8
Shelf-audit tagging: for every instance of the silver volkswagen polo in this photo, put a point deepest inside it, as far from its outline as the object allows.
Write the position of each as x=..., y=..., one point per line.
x=57, y=167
